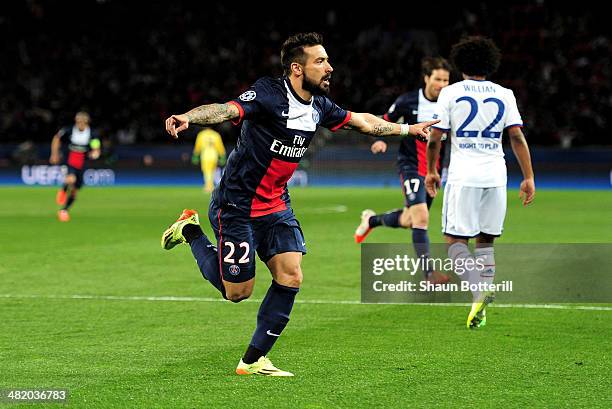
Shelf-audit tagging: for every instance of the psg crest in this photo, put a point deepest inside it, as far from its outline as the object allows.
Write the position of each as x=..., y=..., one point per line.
x=234, y=270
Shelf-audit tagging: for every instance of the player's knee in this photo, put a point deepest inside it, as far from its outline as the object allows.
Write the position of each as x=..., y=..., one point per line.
x=292, y=276
x=420, y=223
x=420, y=219
x=70, y=179
x=484, y=238
x=405, y=219
x=238, y=292
x=237, y=296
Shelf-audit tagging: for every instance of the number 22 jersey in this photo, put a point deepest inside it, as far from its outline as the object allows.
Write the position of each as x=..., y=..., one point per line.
x=475, y=113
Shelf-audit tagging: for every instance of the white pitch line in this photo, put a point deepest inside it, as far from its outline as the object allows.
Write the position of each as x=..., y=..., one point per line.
x=298, y=301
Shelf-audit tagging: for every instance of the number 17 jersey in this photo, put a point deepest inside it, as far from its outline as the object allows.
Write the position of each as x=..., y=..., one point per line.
x=475, y=114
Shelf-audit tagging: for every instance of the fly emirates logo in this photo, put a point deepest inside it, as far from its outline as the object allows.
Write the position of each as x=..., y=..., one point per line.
x=297, y=150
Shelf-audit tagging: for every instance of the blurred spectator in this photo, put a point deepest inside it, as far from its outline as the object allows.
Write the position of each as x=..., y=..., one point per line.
x=26, y=153
x=131, y=65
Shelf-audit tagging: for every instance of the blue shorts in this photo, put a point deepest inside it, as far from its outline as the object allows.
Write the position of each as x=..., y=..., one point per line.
x=239, y=236
x=413, y=186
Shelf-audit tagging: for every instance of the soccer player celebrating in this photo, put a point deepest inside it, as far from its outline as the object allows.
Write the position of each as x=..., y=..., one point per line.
x=414, y=106
x=83, y=142
x=208, y=151
x=250, y=210
x=476, y=111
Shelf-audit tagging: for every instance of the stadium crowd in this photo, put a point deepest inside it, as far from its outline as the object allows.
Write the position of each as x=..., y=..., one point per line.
x=131, y=65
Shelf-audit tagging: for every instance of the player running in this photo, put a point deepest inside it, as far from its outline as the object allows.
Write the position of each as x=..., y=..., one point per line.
x=250, y=210
x=476, y=111
x=414, y=106
x=208, y=151
x=83, y=142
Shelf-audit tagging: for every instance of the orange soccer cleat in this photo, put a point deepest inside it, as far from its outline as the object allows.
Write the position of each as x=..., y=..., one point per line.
x=364, y=227
x=63, y=215
x=173, y=235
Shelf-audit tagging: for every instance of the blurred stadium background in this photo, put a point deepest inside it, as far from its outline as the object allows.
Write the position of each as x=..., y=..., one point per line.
x=130, y=65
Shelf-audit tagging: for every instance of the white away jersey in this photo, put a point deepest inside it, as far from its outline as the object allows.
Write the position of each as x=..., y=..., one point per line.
x=476, y=114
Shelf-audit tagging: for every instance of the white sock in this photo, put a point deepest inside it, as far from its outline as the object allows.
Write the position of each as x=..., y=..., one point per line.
x=460, y=253
x=485, y=256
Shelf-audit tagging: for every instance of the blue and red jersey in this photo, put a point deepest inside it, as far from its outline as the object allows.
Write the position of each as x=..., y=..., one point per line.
x=79, y=144
x=412, y=107
x=277, y=127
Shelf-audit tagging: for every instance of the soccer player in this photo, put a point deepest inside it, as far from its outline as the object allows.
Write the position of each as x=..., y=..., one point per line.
x=476, y=112
x=83, y=142
x=250, y=210
x=208, y=151
x=414, y=106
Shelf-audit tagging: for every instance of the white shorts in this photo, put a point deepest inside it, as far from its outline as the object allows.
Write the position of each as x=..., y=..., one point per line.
x=468, y=211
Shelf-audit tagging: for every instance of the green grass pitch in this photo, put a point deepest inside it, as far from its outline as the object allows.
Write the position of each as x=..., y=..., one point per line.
x=130, y=352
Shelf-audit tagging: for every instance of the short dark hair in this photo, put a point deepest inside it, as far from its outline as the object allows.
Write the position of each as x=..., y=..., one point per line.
x=429, y=64
x=476, y=55
x=293, y=48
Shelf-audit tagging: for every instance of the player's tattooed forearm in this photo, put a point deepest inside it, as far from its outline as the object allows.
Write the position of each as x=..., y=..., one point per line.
x=209, y=114
x=382, y=129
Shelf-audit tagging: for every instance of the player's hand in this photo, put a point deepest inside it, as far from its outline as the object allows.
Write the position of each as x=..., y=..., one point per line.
x=432, y=183
x=176, y=124
x=379, y=147
x=54, y=159
x=422, y=129
x=94, y=154
x=527, y=191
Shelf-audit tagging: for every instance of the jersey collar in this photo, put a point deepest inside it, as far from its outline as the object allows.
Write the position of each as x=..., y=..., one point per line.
x=295, y=94
x=422, y=91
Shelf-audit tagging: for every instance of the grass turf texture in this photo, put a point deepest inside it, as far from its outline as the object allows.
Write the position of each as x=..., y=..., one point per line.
x=135, y=353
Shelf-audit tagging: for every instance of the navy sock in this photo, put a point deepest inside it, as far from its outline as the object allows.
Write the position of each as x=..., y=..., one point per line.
x=272, y=318
x=69, y=201
x=207, y=258
x=252, y=354
x=389, y=219
x=420, y=241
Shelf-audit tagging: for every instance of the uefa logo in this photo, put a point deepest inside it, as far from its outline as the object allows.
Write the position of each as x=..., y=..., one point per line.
x=234, y=270
x=248, y=96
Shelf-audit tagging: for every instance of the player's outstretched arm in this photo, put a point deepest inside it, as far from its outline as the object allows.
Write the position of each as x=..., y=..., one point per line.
x=202, y=115
x=521, y=151
x=432, y=180
x=372, y=125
